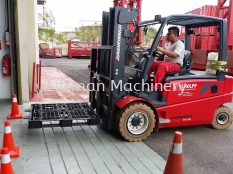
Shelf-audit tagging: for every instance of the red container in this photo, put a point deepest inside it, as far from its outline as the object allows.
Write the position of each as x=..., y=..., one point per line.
x=207, y=10
x=193, y=41
x=58, y=52
x=47, y=53
x=204, y=42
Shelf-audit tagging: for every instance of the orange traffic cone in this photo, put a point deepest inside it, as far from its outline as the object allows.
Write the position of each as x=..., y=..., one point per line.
x=174, y=161
x=6, y=166
x=14, y=109
x=9, y=142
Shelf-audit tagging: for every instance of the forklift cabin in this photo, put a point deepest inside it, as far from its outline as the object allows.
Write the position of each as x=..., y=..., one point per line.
x=187, y=98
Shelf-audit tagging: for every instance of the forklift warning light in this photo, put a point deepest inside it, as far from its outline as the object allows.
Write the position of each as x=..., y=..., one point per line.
x=158, y=17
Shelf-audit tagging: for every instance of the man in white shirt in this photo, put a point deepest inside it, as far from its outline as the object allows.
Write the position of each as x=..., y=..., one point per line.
x=173, y=57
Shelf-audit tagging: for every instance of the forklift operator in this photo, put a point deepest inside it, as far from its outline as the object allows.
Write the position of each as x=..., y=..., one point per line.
x=173, y=57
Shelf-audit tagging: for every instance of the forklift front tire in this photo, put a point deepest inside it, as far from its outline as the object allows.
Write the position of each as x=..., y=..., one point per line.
x=223, y=118
x=135, y=122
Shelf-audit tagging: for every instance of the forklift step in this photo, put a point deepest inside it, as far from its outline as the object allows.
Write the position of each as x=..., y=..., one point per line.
x=61, y=114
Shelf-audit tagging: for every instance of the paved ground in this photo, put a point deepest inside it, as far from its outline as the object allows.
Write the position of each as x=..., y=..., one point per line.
x=205, y=150
x=77, y=69
x=80, y=149
x=59, y=88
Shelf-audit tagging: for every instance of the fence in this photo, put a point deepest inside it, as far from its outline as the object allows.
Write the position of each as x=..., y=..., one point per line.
x=80, y=49
x=36, y=69
x=51, y=53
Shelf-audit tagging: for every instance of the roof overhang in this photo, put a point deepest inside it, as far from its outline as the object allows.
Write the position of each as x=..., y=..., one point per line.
x=41, y=2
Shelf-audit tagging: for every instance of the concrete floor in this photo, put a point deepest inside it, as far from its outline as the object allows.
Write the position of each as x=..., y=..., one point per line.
x=80, y=149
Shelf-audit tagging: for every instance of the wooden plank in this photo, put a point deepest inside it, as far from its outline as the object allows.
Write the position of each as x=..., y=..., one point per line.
x=158, y=161
x=104, y=154
x=79, y=153
x=107, y=158
x=57, y=163
x=115, y=152
x=93, y=155
x=67, y=155
x=34, y=152
x=33, y=165
x=129, y=155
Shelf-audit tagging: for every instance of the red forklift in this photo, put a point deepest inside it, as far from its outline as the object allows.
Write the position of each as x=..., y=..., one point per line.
x=117, y=95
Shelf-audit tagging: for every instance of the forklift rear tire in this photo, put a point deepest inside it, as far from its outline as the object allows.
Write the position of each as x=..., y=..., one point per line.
x=135, y=122
x=223, y=118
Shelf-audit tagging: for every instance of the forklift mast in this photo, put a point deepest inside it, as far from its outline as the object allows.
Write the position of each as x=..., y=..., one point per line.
x=132, y=4
x=107, y=72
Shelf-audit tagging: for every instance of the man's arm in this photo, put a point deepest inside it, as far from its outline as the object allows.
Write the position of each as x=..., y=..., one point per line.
x=173, y=54
x=168, y=53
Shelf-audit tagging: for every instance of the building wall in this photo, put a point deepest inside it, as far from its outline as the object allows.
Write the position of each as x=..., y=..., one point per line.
x=32, y=36
x=28, y=51
x=5, y=81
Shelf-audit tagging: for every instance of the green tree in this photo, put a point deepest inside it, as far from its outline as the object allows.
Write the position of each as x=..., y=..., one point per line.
x=46, y=34
x=61, y=38
x=89, y=33
x=81, y=33
x=46, y=30
x=149, y=35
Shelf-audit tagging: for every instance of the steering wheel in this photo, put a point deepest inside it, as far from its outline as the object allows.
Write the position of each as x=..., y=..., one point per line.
x=143, y=52
x=156, y=54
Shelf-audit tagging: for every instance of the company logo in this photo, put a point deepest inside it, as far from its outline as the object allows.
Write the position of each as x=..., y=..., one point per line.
x=182, y=116
x=118, y=43
x=184, y=86
x=178, y=86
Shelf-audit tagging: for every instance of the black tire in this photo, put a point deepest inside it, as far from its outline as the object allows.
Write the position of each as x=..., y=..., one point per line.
x=135, y=122
x=223, y=118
